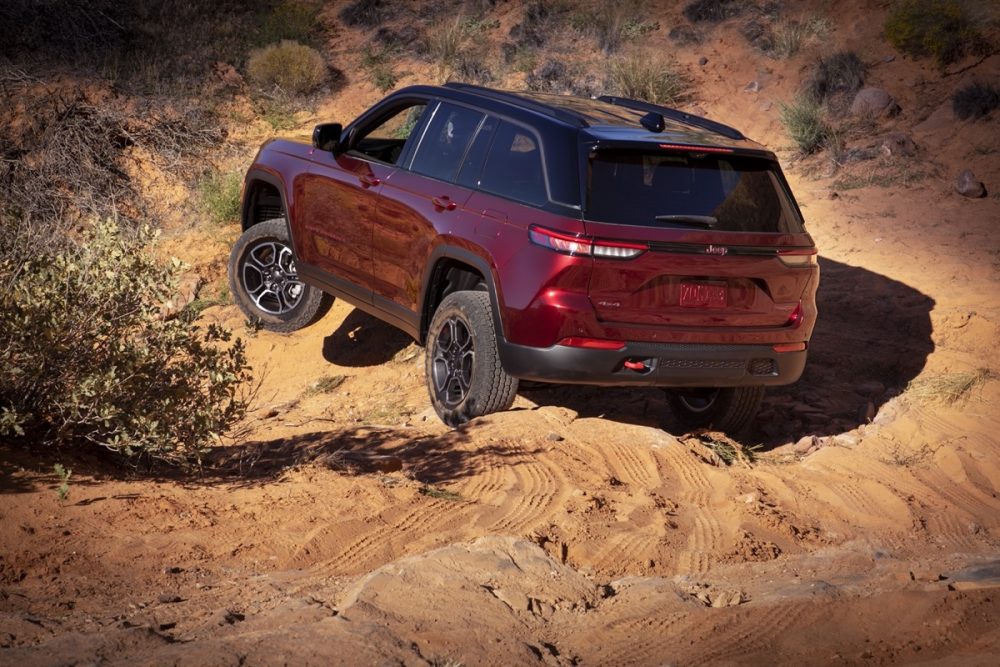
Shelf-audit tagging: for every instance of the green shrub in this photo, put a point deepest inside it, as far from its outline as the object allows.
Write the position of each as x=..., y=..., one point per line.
x=944, y=29
x=653, y=80
x=87, y=359
x=975, y=100
x=803, y=120
x=219, y=196
x=292, y=68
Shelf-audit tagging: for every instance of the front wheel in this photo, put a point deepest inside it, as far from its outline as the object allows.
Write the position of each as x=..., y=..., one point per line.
x=729, y=409
x=265, y=284
x=465, y=378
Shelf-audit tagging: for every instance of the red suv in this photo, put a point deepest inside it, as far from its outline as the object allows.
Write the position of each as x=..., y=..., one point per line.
x=541, y=237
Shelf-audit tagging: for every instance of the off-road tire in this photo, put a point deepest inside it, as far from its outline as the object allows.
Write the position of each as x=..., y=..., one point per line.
x=731, y=410
x=490, y=389
x=311, y=303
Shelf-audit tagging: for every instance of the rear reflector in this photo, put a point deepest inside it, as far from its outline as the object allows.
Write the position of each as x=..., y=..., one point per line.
x=796, y=316
x=568, y=244
x=789, y=347
x=592, y=343
x=798, y=256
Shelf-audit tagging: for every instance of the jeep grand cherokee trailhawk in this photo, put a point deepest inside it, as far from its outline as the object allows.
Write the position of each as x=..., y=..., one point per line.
x=527, y=236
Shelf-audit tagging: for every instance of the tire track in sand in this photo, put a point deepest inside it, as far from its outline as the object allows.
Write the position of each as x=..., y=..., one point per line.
x=534, y=492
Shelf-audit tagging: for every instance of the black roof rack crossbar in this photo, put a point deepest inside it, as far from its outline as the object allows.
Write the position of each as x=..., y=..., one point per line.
x=674, y=114
x=564, y=115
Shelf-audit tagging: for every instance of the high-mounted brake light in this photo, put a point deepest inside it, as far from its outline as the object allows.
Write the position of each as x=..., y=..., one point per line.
x=798, y=256
x=592, y=343
x=695, y=149
x=568, y=244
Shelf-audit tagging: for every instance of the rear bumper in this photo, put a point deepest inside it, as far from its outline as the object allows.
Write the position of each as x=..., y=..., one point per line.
x=665, y=364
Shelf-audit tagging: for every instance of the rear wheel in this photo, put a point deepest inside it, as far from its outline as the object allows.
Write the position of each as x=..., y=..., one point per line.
x=465, y=378
x=729, y=409
x=265, y=284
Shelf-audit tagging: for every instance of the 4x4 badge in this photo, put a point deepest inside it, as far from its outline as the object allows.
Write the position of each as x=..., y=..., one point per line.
x=716, y=250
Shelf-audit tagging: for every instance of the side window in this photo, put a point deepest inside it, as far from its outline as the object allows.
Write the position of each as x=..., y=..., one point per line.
x=385, y=141
x=472, y=166
x=514, y=166
x=444, y=144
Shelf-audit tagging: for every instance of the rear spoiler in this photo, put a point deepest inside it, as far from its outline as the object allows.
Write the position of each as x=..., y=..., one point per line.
x=674, y=114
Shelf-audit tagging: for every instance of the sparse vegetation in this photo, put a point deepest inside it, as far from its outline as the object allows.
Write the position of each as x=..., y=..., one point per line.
x=437, y=492
x=713, y=11
x=788, y=37
x=653, y=80
x=377, y=62
x=948, y=388
x=883, y=172
x=804, y=121
x=444, y=44
x=943, y=29
x=612, y=23
x=975, y=100
x=63, y=473
x=836, y=78
x=325, y=385
x=293, y=19
x=365, y=13
x=219, y=196
x=289, y=67
x=88, y=359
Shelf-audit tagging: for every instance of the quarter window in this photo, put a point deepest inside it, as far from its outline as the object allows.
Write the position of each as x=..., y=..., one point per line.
x=514, y=166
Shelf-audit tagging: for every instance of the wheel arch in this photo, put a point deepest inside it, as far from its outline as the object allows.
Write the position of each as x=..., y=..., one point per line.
x=449, y=269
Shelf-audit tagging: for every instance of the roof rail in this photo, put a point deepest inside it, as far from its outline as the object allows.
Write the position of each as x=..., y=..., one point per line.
x=674, y=114
x=564, y=115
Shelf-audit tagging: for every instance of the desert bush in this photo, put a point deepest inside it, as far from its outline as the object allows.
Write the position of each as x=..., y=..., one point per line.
x=87, y=359
x=944, y=29
x=653, y=80
x=612, y=23
x=975, y=100
x=293, y=68
x=444, y=44
x=377, y=62
x=365, y=13
x=713, y=11
x=836, y=76
x=219, y=195
x=804, y=122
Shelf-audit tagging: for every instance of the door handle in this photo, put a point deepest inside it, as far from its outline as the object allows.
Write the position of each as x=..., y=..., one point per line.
x=444, y=202
x=369, y=181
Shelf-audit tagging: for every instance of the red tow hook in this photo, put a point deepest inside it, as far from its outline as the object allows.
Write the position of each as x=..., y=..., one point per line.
x=637, y=366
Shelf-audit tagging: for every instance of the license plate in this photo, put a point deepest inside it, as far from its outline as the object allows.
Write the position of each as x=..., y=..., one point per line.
x=703, y=295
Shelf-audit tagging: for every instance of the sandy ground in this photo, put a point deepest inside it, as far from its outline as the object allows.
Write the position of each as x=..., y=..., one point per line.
x=350, y=527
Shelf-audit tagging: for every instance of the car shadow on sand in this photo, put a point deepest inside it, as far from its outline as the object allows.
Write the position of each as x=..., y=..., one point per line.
x=362, y=340
x=873, y=336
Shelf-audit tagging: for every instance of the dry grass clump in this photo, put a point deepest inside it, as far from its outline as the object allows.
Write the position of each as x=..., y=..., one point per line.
x=651, y=79
x=836, y=77
x=292, y=68
x=377, y=62
x=804, y=120
x=365, y=13
x=219, y=196
x=883, y=172
x=713, y=11
x=948, y=388
x=943, y=29
x=975, y=100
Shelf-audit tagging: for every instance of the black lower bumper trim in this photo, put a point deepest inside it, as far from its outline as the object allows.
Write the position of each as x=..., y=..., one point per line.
x=655, y=364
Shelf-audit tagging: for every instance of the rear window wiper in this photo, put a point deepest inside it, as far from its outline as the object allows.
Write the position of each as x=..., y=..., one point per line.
x=707, y=221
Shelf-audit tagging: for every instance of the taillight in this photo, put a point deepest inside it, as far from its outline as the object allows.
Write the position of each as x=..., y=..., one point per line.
x=568, y=244
x=592, y=343
x=798, y=256
x=796, y=316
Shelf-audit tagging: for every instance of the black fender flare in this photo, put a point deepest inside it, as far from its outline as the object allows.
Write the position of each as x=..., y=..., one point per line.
x=445, y=251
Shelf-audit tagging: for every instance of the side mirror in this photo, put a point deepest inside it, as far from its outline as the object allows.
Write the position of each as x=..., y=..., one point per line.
x=326, y=136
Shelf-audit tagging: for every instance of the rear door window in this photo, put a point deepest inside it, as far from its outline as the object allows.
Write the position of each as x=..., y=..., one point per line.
x=513, y=166
x=714, y=192
x=445, y=142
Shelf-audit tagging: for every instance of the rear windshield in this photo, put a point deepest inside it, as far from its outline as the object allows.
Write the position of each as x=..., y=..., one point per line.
x=714, y=192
